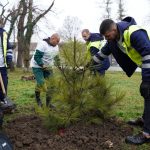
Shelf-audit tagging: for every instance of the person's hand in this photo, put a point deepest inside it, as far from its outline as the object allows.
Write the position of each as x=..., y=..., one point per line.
x=44, y=67
x=9, y=65
x=9, y=62
x=89, y=64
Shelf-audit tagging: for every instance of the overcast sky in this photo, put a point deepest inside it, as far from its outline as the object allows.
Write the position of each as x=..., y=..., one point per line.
x=89, y=12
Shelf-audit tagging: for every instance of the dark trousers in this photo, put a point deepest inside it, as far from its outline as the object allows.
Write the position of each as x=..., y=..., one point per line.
x=42, y=77
x=3, y=71
x=145, y=92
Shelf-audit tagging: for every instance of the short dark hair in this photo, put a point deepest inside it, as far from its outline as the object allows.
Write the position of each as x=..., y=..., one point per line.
x=106, y=26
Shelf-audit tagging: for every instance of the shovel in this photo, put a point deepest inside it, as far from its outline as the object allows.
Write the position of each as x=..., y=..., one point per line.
x=6, y=105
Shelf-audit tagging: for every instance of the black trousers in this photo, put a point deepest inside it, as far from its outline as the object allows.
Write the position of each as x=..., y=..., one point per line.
x=145, y=92
x=3, y=71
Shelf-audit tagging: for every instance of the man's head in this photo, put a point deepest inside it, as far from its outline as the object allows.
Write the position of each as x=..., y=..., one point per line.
x=54, y=39
x=108, y=28
x=85, y=34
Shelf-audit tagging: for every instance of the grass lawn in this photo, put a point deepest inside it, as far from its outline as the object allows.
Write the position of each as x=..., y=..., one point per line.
x=22, y=92
x=132, y=104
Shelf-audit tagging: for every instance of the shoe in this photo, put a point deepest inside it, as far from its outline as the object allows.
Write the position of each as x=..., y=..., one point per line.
x=137, y=122
x=38, y=100
x=40, y=104
x=51, y=106
x=137, y=139
x=48, y=102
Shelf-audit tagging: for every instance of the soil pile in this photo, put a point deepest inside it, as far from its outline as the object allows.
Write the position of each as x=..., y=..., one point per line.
x=28, y=133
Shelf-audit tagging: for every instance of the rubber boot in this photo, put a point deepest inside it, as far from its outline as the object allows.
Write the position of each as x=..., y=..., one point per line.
x=48, y=101
x=37, y=97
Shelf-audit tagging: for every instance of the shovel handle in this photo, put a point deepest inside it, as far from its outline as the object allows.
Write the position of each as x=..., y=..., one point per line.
x=2, y=84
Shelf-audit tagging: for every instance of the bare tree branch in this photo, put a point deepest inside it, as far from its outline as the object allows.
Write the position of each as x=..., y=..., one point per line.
x=44, y=13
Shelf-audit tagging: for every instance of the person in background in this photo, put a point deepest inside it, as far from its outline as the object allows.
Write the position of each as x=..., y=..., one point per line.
x=130, y=46
x=94, y=42
x=41, y=64
x=5, y=61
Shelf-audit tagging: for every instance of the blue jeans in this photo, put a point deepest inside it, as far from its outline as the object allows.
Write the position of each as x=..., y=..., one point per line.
x=3, y=71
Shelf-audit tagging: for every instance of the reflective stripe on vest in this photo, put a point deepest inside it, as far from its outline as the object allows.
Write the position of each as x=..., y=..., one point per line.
x=5, y=46
x=130, y=51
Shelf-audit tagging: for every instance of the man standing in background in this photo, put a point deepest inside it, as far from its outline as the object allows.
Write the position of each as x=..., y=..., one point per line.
x=5, y=60
x=41, y=63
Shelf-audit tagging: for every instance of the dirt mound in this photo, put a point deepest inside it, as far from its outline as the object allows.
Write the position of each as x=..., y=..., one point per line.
x=28, y=133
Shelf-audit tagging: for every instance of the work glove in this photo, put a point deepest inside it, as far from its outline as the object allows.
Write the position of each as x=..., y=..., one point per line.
x=92, y=65
x=45, y=68
x=9, y=65
x=8, y=61
x=89, y=64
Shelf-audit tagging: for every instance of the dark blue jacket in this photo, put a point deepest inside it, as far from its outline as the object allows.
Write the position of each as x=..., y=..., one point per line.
x=139, y=41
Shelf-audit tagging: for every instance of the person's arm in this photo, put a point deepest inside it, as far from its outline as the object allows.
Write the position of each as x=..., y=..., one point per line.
x=39, y=53
x=102, y=54
x=93, y=50
x=9, y=54
x=140, y=42
x=38, y=57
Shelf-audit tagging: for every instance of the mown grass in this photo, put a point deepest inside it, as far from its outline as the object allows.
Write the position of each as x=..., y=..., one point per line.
x=22, y=93
x=132, y=104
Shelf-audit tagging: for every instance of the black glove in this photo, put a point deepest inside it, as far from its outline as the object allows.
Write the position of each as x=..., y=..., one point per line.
x=94, y=65
x=43, y=67
x=9, y=65
x=89, y=64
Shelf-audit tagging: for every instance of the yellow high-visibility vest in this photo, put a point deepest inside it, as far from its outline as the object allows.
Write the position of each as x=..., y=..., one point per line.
x=5, y=46
x=130, y=51
x=97, y=44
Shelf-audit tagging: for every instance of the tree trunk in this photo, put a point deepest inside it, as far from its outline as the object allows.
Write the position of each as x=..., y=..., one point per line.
x=26, y=56
x=19, y=58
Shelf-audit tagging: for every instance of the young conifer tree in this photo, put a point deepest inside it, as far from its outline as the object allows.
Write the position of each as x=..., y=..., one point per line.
x=77, y=94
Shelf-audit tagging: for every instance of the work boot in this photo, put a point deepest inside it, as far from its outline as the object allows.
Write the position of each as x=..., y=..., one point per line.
x=37, y=97
x=136, y=122
x=48, y=101
x=137, y=139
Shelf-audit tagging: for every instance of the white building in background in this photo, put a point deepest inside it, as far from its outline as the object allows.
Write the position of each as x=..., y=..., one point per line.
x=15, y=51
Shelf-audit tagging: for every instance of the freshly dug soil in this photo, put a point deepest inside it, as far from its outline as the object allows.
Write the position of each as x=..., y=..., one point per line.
x=28, y=133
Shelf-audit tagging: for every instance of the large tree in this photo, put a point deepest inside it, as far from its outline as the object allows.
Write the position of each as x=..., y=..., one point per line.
x=28, y=20
x=9, y=16
x=25, y=16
